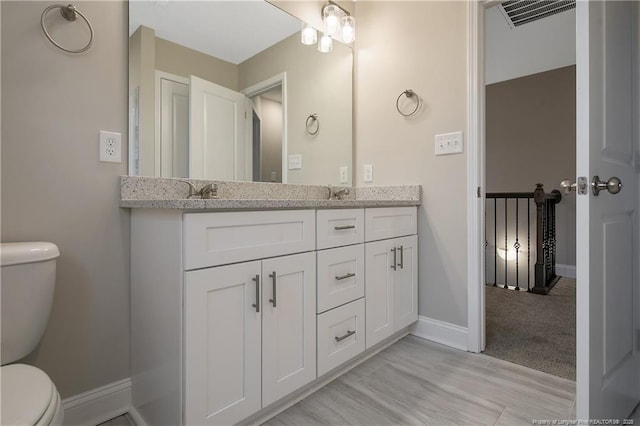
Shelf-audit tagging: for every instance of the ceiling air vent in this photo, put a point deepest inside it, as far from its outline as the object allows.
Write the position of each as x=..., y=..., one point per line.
x=520, y=12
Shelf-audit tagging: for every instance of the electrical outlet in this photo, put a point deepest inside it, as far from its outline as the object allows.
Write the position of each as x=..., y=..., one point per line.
x=344, y=174
x=448, y=143
x=110, y=147
x=295, y=162
x=368, y=172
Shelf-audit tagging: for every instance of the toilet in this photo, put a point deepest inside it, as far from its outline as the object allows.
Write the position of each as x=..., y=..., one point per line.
x=29, y=397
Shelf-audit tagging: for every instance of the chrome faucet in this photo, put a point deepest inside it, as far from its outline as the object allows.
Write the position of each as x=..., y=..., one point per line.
x=338, y=193
x=208, y=191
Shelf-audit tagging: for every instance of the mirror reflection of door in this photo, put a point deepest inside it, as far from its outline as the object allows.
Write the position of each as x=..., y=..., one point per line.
x=267, y=144
x=219, y=132
x=172, y=132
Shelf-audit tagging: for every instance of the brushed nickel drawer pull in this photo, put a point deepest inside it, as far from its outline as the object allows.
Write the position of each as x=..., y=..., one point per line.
x=347, y=334
x=340, y=228
x=274, y=285
x=395, y=258
x=401, y=257
x=257, y=304
x=344, y=277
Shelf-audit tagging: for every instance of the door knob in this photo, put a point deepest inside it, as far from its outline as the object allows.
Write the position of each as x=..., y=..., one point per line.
x=613, y=185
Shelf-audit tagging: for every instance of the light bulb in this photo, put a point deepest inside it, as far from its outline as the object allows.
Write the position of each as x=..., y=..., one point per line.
x=348, y=29
x=309, y=35
x=326, y=44
x=330, y=19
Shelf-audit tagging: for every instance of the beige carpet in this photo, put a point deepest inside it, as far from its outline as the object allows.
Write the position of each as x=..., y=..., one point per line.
x=537, y=331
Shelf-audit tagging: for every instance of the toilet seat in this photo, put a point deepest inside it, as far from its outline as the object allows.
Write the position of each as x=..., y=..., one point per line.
x=29, y=397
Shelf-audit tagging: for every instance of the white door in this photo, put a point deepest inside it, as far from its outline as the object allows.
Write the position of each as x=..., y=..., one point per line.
x=222, y=344
x=173, y=126
x=220, y=132
x=405, y=297
x=379, y=276
x=608, y=374
x=288, y=325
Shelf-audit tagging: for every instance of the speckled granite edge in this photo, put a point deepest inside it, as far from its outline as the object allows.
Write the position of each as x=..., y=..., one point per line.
x=169, y=193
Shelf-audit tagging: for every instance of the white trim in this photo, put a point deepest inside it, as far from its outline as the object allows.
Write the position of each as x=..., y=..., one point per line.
x=568, y=271
x=442, y=332
x=263, y=86
x=137, y=418
x=475, y=177
x=98, y=405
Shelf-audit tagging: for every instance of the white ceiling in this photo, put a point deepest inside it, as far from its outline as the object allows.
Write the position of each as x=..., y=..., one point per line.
x=230, y=30
x=535, y=47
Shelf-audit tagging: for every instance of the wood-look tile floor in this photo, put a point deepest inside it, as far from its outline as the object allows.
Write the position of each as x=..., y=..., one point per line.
x=417, y=382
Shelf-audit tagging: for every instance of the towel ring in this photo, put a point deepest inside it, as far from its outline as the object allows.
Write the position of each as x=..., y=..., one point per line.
x=409, y=94
x=312, y=118
x=70, y=13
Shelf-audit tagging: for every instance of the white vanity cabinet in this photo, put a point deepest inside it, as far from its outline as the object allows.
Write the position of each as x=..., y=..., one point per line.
x=244, y=316
x=241, y=317
x=391, y=271
x=341, y=334
x=237, y=312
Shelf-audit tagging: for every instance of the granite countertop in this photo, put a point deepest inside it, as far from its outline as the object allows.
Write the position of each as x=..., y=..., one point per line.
x=167, y=193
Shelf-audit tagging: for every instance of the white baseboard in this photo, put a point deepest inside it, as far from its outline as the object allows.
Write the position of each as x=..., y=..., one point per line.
x=137, y=418
x=568, y=271
x=98, y=405
x=441, y=332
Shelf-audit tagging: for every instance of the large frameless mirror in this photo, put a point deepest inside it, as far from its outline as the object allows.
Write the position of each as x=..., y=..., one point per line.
x=225, y=90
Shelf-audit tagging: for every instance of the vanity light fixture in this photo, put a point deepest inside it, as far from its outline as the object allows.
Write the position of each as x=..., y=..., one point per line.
x=348, y=28
x=326, y=44
x=309, y=34
x=337, y=23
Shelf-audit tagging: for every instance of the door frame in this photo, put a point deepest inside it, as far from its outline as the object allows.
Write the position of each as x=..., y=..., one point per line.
x=263, y=86
x=476, y=192
x=475, y=175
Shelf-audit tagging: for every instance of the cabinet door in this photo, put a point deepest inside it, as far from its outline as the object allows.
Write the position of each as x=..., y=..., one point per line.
x=405, y=285
x=222, y=344
x=379, y=275
x=288, y=325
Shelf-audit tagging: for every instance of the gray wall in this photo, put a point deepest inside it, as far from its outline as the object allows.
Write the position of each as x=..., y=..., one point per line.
x=54, y=188
x=421, y=46
x=531, y=138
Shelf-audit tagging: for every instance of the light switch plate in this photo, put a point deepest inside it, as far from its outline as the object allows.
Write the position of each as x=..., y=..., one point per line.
x=449, y=143
x=295, y=162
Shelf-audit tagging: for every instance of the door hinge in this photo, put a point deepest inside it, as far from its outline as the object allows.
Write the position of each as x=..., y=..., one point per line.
x=479, y=192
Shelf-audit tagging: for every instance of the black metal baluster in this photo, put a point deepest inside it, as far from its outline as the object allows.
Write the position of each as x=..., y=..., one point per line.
x=516, y=245
x=528, y=244
x=495, y=242
x=506, y=244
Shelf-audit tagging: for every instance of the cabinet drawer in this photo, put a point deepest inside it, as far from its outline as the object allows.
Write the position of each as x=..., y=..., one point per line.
x=340, y=335
x=212, y=239
x=340, y=276
x=390, y=222
x=339, y=227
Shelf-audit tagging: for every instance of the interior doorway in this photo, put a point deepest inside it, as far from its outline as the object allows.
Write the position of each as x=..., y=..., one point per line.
x=528, y=98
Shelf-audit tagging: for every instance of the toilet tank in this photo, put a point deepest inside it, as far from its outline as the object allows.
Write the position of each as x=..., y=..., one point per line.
x=27, y=283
